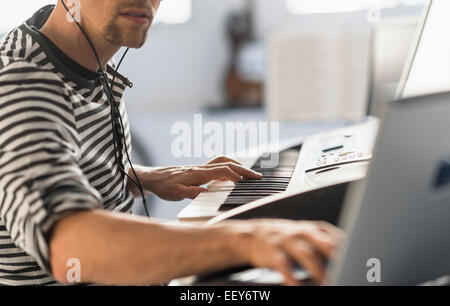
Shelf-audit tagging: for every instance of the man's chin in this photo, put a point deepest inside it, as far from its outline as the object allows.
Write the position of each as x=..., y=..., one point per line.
x=128, y=44
x=134, y=45
x=134, y=42
x=131, y=40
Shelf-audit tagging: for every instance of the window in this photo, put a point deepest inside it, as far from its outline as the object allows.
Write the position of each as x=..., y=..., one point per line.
x=174, y=11
x=335, y=6
x=171, y=11
x=16, y=12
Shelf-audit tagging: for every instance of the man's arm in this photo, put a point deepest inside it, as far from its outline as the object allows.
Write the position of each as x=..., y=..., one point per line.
x=115, y=248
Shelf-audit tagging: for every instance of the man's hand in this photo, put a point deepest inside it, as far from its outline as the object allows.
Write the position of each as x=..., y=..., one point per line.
x=280, y=244
x=178, y=183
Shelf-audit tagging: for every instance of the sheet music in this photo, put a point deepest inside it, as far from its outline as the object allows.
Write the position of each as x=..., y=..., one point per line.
x=318, y=74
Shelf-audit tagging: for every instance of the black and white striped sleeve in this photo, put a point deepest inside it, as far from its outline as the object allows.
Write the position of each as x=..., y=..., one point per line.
x=40, y=179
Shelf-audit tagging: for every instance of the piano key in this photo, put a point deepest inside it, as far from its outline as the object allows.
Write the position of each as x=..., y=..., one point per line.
x=264, y=179
x=266, y=183
x=250, y=195
x=239, y=203
x=274, y=180
x=280, y=169
x=226, y=207
x=258, y=189
x=261, y=188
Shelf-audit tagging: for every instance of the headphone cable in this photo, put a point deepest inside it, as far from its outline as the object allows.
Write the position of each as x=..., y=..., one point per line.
x=110, y=96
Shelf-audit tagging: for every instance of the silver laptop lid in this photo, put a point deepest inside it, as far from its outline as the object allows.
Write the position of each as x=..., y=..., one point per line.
x=398, y=218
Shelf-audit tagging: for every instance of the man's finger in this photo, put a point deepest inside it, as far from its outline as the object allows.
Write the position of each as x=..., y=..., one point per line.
x=282, y=264
x=305, y=254
x=223, y=159
x=323, y=242
x=330, y=229
x=241, y=170
x=206, y=175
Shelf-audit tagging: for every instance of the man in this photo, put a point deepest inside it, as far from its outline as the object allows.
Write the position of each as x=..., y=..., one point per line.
x=63, y=196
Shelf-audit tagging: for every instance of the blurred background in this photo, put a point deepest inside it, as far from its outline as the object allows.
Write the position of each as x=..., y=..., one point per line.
x=311, y=65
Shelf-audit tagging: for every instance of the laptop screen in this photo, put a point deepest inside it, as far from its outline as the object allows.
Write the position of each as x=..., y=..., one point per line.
x=429, y=69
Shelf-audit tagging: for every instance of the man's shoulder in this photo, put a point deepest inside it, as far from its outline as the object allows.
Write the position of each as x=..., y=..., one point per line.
x=20, y=72
x=26, y=88
x=16, y=62
x=12, y=47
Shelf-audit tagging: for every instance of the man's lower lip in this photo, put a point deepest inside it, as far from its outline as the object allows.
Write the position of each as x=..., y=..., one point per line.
x=136, y=20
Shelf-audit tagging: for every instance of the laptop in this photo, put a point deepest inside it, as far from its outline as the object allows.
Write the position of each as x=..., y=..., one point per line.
x=398, y=216
x=397, y=219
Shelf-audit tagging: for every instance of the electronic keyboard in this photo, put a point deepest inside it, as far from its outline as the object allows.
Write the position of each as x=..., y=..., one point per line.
x=320, y=161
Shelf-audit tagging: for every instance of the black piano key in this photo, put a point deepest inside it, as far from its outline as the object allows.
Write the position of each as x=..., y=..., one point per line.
x=262, y=187
x=226, y=207
x=268, y=179
x=250, y=195
x=275, y=176
x=274, y=180
x=263, y=183
x=237, y=203
x=280, y=169
x=261, y=190
x=267, y=184
x=236, y=191
x=258, y=189
x=249, y=198
x=276, y=173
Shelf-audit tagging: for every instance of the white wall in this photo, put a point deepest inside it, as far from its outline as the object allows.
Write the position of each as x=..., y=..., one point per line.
x=273, y=16
x=182, y=66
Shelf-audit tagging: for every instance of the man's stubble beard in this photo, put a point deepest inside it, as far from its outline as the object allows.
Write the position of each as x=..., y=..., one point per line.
x=113, y=34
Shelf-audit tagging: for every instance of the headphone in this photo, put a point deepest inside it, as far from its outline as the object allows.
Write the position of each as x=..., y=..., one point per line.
x=116, y=118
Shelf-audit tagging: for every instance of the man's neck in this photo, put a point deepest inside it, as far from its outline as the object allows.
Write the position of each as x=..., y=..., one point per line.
x=69, y=38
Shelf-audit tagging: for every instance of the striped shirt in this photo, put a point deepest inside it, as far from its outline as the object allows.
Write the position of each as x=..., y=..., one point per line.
x=56, y=148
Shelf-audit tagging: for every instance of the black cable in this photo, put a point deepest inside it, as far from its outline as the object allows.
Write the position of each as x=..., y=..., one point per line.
x=138, y=183
x=110, y=95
